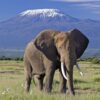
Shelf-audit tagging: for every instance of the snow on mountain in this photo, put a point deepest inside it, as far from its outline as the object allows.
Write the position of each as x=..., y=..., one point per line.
x=47, y=14
x=17, y=31
x=42, y=13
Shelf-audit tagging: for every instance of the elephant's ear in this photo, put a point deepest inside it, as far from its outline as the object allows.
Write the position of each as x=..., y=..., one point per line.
x=45, y=43
x=80, y=41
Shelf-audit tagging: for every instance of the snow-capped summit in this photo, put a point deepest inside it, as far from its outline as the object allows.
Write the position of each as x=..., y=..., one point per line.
x=43, y=12
x=47, y=15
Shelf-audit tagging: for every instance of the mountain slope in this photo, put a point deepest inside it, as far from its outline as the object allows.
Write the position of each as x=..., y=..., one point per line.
x=19, y=30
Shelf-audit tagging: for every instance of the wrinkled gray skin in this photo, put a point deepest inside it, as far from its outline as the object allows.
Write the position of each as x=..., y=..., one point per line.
x=44, y=54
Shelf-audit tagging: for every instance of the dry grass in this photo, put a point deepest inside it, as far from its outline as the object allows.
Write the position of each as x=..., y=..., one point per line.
x=12, y=78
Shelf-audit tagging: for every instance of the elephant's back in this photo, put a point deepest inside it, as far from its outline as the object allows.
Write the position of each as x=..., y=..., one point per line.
x=47, y=33
x=30, y=48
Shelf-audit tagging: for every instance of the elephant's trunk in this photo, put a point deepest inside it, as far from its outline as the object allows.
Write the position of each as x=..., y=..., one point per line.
x=62, y=70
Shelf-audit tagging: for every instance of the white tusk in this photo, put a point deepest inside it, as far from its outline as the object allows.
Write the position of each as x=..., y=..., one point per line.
x=78, y=67
x=63, y=72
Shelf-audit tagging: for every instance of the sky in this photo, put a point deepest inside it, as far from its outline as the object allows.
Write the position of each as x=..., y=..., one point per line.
x=83, y=9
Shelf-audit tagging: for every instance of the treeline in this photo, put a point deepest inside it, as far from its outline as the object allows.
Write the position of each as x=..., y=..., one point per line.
x=11, y=58
x=93, y=60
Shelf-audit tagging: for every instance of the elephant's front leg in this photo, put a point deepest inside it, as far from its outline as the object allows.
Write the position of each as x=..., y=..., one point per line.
x=62, y=83
x=70, y=81
x=49, y=78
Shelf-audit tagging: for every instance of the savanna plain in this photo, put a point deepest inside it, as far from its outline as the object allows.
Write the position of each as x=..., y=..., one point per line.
x=12, y=80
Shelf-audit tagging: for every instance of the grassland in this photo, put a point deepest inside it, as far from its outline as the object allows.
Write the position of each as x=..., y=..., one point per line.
x=12, y=79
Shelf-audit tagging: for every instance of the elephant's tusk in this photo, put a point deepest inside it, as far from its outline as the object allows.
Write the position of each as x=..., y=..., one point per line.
x=78, y=67
x=63, y=72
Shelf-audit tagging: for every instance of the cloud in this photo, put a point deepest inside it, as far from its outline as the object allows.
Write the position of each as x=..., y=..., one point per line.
x=90, y=5
x=97, y=12
x=76, y=0
x=93, y=5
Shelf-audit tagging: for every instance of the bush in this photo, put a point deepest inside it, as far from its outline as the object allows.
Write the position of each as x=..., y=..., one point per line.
x=11, y=58
x=18, y=59
x=93, y=60
x=96, y=61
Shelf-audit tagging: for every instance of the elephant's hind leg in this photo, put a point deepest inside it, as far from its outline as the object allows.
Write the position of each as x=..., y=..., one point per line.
x=40, y=81
x=28, y=75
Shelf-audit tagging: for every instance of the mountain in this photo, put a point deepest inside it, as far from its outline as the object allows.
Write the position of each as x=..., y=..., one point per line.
x=17, y=31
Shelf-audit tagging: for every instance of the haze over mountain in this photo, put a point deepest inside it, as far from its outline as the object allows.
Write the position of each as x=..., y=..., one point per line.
x=17, y=31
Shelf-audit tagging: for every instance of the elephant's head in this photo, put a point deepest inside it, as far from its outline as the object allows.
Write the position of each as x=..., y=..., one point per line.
x=72, y=41
x=70, y=46
x=67, y=46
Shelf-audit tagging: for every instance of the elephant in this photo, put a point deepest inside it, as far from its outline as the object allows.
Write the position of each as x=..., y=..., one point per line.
x=51, y=50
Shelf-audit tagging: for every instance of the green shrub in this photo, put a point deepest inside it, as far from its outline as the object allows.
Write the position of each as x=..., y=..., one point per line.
x=93, y=60
x=11, y=58
x=96, y=61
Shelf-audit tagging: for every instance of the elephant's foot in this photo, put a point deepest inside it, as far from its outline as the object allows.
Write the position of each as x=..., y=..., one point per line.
x=27, y=88
x=40, y=86
x=47, y=89
x=63, y=90
x=72, y=93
